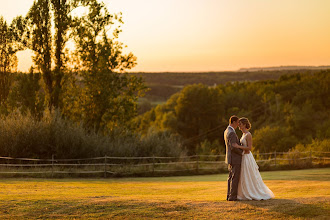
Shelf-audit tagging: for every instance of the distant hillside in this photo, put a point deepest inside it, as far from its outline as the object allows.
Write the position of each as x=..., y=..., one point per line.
x=211, y=78
x=284, y=68
x=165, y=84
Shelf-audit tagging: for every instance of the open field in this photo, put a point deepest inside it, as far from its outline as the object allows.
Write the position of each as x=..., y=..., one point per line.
x=299, y=194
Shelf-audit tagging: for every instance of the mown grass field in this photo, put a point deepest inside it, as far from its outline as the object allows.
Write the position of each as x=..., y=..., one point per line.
x=299, y=194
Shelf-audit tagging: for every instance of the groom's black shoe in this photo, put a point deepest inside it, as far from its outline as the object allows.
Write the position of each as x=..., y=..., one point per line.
x=232, y=199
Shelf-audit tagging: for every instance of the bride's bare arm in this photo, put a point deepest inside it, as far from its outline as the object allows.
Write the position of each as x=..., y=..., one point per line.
x=249, y=142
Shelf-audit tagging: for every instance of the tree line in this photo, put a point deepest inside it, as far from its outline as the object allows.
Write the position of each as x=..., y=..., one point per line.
x=87, y=83
x=285, y=112
x=164, y=84
x=79, y=101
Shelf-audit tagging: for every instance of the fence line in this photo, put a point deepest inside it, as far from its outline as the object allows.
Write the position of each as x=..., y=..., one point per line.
x=152, y=164
x=135, y=158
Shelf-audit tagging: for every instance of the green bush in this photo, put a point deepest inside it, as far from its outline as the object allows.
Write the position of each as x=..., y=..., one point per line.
x=125, y=143
x=270, y=139
x=24, y=136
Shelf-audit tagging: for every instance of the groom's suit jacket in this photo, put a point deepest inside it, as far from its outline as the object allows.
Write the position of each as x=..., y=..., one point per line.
x=233, y=155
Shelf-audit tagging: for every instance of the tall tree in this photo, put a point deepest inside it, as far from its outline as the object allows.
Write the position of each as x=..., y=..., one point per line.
x=39, y=24
x=62, y=21
x=108, y=96
x=49, y=48
x=8, y=61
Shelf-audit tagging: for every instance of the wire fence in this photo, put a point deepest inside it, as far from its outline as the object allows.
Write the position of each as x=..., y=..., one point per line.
x=152, y=166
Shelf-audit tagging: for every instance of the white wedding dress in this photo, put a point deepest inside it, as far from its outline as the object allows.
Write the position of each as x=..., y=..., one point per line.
x=251, y=186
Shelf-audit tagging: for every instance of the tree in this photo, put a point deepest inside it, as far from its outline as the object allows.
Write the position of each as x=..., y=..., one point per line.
x=270, y=139
x=107, y=96
x=62, y=21
x=103, y=94
x=40, y=41
x=34, y=32
x=26, y=94
x=8, y=61
x=198, y=110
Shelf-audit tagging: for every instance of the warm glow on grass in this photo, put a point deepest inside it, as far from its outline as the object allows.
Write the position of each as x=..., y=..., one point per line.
x=299, y=194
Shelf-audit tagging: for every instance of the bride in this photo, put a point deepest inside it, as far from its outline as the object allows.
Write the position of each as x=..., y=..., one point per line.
x=250, y=186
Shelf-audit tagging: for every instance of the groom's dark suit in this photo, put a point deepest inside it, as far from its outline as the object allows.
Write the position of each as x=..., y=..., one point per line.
x=233, y=159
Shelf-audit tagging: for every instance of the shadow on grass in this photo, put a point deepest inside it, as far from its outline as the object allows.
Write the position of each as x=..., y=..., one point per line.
x=315, y=208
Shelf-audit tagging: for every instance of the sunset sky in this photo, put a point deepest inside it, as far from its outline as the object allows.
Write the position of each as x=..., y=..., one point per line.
x=214, y=35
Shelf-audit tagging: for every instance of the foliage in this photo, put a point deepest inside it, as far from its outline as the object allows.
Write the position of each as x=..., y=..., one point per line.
x=193, y=111
x=210, y=148
x=34, y=31
x=98, y=93
x=270, y=139
x=40, y=41
x=100, y=106
x=316, y=146
x=25, y=136
x=106, y=97
x=26, y=94
x=283, y=113
x=96, y=99
x=8, y=62
x=127, y=144
x=62, y=21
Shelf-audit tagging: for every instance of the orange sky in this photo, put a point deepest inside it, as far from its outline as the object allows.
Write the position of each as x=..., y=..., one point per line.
x=214, y=35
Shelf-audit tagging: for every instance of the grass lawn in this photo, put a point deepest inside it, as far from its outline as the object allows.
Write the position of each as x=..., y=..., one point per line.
x=299, y=194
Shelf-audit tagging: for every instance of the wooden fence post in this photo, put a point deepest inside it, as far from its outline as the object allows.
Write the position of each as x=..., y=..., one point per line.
x=52, y=165
x=197, y=158
x=275, y=158
x=105, y=166
x=153, y=165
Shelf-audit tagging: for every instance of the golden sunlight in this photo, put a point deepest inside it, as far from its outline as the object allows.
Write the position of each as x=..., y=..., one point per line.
x=214, y=35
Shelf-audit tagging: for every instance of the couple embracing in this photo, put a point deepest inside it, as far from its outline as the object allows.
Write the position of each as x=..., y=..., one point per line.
x=244, y=180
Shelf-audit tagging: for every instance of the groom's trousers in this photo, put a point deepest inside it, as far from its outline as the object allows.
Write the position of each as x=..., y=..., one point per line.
x=233, y=179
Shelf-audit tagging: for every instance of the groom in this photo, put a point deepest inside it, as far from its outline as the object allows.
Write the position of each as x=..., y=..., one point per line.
x=233, y=158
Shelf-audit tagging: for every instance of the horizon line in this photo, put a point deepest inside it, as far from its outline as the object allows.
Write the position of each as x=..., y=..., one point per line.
x=245, y=69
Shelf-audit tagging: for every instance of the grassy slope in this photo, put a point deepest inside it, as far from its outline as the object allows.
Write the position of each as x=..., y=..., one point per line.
x=299, y=194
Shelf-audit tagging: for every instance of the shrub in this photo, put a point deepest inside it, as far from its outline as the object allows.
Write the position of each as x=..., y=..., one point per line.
x=269, y=139
x=24, y=136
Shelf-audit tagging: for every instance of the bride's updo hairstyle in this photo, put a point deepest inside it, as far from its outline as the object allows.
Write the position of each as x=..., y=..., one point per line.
x=245, y=122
